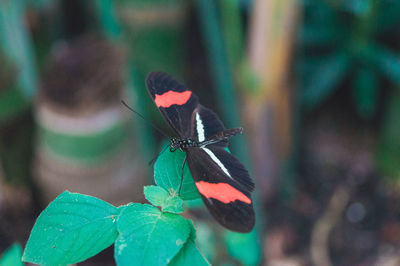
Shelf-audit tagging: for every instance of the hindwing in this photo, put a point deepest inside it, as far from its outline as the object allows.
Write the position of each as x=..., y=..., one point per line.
x=224, y=185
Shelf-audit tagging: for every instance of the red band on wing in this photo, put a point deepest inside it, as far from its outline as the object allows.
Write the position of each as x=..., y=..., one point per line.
x=172, y=97
x=222, y=192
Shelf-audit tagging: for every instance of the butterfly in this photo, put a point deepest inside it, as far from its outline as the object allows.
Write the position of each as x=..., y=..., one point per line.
x=223, y=182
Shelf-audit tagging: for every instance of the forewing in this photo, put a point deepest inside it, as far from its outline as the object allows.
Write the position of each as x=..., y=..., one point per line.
x=174, y=101
x=224, y=185
x=206, y=124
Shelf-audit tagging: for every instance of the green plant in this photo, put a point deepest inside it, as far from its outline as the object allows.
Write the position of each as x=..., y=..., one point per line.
x=75, y=227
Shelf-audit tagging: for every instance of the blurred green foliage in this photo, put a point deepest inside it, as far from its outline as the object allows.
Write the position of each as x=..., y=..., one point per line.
x=345, y=43
x=15, y=41
x=15, y=126
x=12, y=100
x=12, y=256
x=243, y=247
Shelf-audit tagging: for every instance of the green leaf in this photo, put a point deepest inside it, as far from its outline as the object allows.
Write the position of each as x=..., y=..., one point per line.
x=189, y=254
x=12, y=256
x=158, y=196
x=365, y=92
x=168, y=174
x=173, y=204
x=244, y=247
x=71, y=229
x=388, y=62
x=318, y=35
x=357, y=7
x=387, y=20
x=325, y=79
x=149, y=236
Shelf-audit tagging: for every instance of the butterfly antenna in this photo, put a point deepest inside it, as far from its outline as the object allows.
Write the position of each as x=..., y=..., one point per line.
x=151, y=163
x=146, y=120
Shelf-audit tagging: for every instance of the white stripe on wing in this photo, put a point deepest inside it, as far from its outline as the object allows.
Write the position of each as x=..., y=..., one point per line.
x=200, y=128
x=217, y=161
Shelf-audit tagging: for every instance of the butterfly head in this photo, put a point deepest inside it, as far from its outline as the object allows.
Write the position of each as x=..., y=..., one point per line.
x=174, y=144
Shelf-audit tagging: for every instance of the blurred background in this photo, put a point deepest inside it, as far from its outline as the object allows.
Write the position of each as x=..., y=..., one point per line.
x=315, y=84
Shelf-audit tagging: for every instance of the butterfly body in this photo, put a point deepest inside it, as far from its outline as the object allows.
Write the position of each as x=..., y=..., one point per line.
x=184, y=144
x=222, y=181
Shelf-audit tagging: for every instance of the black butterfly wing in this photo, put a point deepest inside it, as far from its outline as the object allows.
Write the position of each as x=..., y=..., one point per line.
x=224, y=185
x=206, y=124
x=174, y=100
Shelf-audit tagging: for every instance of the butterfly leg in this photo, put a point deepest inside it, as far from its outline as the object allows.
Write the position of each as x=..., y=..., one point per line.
x=183, y=167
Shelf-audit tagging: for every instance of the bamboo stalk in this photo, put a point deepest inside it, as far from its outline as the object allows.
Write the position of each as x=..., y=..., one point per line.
x=233, y=32
x=269, y=106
